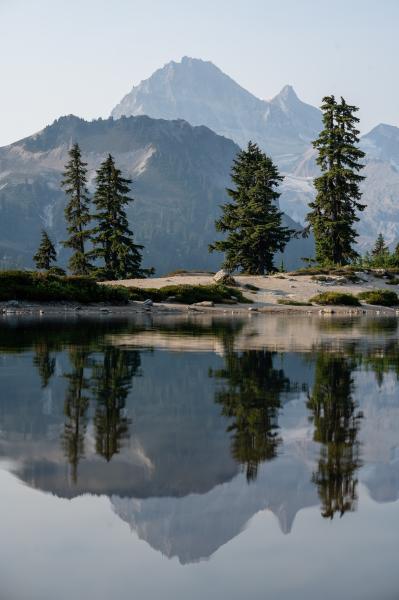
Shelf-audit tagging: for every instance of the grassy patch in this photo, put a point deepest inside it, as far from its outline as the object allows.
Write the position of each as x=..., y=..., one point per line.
x=380, y=297
x=188, y=294
x=288, y=302
x=393, y=281
x=47, y=287
x=251, y=287
x=335, y=299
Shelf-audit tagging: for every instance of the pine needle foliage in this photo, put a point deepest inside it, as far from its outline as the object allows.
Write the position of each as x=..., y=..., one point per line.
x=46, y=253
x=112, y=239
x=333, y=213
x=77, y=213
x=252, y=220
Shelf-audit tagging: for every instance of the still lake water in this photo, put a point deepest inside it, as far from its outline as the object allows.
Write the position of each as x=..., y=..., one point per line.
x=198, y=457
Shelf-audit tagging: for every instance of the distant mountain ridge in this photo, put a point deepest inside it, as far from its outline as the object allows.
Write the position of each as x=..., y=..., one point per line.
x=179, y=177
x=284, y=127
x=200, y=93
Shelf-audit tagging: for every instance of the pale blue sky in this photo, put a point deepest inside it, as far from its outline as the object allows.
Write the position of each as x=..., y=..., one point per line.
x=81, y=56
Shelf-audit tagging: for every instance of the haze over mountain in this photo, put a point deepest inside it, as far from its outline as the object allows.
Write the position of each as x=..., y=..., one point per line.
x=284, y=127
x=202, y=94
x=181, y=168
x=180, y=173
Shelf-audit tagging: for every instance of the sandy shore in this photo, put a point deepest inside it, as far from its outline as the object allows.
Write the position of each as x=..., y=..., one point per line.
x=271, y=289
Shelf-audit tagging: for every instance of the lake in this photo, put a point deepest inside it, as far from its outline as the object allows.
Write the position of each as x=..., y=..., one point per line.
x=193, y=457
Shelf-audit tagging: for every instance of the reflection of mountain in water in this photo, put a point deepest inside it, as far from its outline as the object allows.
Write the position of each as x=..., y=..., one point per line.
x=195, y=526
x=165, y=434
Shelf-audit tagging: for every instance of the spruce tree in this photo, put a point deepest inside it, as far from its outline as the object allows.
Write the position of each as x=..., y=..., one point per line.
x=252, y=219
x=112, y=238
x=334, y=211
x=46, y=253
x=380, y=252
x=77, y=212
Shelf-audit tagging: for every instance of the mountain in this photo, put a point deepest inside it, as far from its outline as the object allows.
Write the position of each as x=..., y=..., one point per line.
x=284, y=127
x=179, y=171
x=382, y=144
x=200, y=93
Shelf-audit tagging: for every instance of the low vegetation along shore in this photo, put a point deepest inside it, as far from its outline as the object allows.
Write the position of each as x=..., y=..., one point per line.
x=335, y=291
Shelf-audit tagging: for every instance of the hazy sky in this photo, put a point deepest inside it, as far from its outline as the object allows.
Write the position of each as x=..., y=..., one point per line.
x=81, y=56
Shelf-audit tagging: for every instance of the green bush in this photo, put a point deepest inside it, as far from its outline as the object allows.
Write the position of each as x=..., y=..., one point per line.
x=335, y=299
x=289, y=302
x=48, y=287
x=188, y=294
x=380, y=297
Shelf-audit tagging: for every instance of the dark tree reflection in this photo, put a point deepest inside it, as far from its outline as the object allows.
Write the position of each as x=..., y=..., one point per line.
x=44, y=363
x=112, y=381
x=336, y=426
x=250, y=396
x=75, y=409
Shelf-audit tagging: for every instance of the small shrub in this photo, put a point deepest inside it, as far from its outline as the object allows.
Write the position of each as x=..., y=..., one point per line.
x=335, y=299
x=289, y=302
x=380, y=297
x=251, y=287
x=188, y=294
x=393, y=281
x=48, y=287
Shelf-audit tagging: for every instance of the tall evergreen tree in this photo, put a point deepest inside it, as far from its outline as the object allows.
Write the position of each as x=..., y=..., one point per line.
x=46, y=253
x=333, y=213
x=380, y=250
x=253, y=219
x=77, y=211
x=112, y=239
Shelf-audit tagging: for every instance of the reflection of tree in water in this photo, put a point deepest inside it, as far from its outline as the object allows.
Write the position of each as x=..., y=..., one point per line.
x=112, y=381
x=251, y=397
x=75, y=409
x=44, y=362
x=336, y=427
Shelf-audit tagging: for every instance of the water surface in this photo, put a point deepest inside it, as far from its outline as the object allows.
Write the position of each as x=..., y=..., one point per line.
x=199, y=457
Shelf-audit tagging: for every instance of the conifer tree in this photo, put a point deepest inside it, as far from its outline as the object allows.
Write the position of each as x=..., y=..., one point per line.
x=252, y=219
x=395, y=256
x=77, y=212
x=112, y=238
x=46, y=253
x=334, y=211
x=380, y=250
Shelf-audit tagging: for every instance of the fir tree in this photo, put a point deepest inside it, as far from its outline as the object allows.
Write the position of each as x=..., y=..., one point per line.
x=334, y=210
x=46, y=253
x=380, y=250
x=112, y=239
x=77, y=212
x=252, y=220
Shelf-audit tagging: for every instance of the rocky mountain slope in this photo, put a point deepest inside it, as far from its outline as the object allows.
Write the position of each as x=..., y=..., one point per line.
x=179, y=171
x=203, y=95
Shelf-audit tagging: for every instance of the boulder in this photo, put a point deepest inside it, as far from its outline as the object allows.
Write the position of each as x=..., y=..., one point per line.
x=224, y=278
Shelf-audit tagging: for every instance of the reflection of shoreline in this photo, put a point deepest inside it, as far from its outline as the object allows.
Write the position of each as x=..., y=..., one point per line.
x=169, y=431
x=273, y=332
